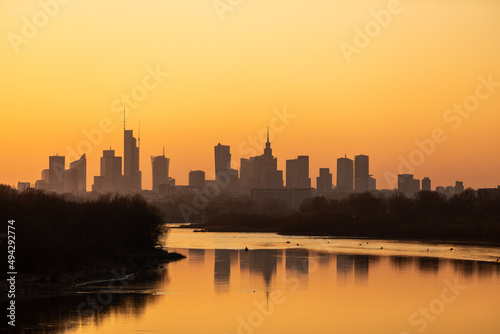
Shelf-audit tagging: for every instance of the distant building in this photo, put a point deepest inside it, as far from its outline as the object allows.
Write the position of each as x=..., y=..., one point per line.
x=361, y=173
x=222, y=158
x=344, y=174
x=297, y=173
x=23, y=186
x=459, y=187
x=407, y=184
x=440, y=189
x=450, y=190
x=261, y=171
x=324, y=181
x=79, y=168
x=226, y=177
x=197, y=179
x=159, y=166
x=426, y=184
x=56, y=173
x=372, y=184
x=132, y=175
x=111, y=173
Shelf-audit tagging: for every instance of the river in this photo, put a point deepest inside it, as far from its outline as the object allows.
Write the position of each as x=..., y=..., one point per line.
x=286, y=284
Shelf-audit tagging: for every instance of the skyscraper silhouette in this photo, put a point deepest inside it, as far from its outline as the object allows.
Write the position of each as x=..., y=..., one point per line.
x=361, y=173
x=111, y=173
x=261, y=171
x=297, y=173
x=159, y=165
x=324, y=181
x=56, y=173
x=344, y=174
x=426, y=184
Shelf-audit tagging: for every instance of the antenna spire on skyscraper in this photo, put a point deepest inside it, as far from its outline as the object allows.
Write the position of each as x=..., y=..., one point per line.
x=268, y=134
x=123, y=118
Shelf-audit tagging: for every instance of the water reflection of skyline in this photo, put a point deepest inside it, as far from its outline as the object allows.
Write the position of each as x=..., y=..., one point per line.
x=267, y=263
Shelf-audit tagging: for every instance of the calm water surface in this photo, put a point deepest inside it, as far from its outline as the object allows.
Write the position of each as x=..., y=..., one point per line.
x=320, y=286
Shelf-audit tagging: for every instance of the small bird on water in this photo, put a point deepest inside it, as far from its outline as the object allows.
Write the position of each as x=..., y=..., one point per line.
x=246, y=249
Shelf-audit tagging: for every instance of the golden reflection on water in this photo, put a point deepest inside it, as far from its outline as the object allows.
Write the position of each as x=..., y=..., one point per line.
x=303, y=291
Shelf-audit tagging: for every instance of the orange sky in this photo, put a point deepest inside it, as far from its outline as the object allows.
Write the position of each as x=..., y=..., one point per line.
x=227, y=76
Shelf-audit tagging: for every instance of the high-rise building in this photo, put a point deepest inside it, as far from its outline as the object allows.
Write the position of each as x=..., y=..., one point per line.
x=79, y=168
x=426, y=184
x=132, y=174
x=407, y=184
x=372, y=184
x=344, y=174
x=226, y=177
x=459, y=187
x=56, y=173
x=222, y=158
x=160, y=165
x=297, y=173
x=197, y=179
x=261, y=171
x=324, y=181
x=111, y=173
x=361, y=173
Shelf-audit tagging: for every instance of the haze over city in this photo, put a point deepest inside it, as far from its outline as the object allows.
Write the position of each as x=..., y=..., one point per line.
x=226, y=77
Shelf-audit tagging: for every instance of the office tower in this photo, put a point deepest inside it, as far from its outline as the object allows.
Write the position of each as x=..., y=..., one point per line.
x=226, y=177
x=372, y=184
x=344, y=174
x=407, y=184
x=222, y=158
x=361, y=173
x=297, y=173
x=323, y=181
x=197, y=179
x=426, y=184
x=80, y=170
x=261, y=171
x=111, y=173
x=160, y=166
x=71, y=181
x=56, y=173
x=415, y=186
x=132, y=174
x=459, y=187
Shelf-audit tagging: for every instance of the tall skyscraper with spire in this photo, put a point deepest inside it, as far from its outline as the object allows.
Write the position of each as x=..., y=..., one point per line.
x=261, y=171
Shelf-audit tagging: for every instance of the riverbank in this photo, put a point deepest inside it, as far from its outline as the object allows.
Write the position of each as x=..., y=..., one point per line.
x=85, y=279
